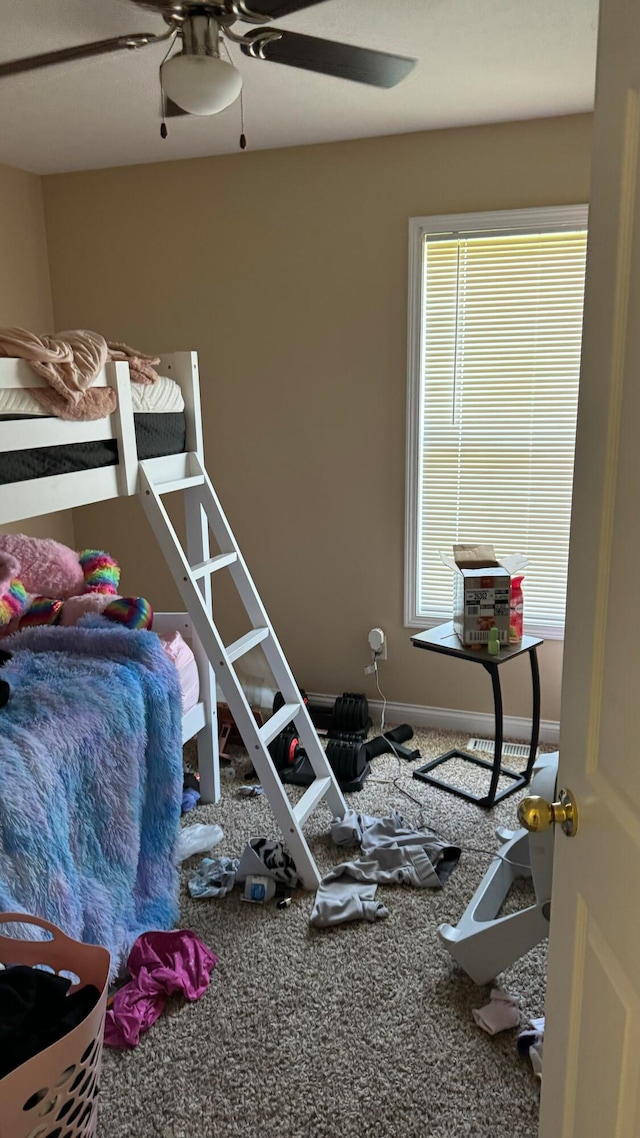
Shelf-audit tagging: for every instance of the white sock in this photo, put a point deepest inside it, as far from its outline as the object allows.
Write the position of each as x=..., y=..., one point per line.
x=499, y=1014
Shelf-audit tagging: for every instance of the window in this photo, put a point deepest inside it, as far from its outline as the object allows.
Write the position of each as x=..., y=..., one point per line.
x=495, y=328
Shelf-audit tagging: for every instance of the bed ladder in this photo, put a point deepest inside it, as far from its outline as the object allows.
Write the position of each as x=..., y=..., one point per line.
x=193, y=579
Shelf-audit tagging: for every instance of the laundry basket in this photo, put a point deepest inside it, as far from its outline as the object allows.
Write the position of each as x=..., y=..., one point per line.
x=55, y=1094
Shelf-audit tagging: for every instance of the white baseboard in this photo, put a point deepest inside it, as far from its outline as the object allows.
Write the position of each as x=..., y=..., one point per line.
x=472, y=723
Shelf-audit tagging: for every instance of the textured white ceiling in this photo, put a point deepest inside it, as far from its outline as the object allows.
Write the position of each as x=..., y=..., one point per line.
x=478, y=61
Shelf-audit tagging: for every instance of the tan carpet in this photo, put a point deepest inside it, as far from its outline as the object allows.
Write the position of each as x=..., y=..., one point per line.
x=364, y=1029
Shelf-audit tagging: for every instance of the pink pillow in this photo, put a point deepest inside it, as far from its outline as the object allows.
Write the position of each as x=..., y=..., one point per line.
x=181, y=655
x=47, y=568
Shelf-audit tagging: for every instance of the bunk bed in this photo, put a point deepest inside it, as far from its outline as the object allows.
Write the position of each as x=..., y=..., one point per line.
x=49, y=465
x=71, y=464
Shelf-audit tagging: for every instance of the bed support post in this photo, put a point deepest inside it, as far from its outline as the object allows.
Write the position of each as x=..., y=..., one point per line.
x=208, y=754
x=183, y=368
x=118, y=377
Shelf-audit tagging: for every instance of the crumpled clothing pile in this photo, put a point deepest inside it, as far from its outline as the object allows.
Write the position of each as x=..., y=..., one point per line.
x=263, y=857
x=393, y=854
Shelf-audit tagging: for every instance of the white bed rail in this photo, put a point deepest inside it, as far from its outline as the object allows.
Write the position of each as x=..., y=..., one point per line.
x=36, y=496
x=200, y=721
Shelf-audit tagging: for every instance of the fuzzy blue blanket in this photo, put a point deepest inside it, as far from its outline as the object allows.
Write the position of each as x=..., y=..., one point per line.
x=91, y=782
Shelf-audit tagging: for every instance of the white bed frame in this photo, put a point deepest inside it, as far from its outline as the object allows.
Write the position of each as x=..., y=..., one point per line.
x=38, y=496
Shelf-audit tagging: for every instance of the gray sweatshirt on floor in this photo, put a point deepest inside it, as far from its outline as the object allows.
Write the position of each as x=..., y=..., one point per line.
x=393, y=854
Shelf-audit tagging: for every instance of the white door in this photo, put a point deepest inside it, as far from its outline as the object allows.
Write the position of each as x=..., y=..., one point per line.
x=591, y=1076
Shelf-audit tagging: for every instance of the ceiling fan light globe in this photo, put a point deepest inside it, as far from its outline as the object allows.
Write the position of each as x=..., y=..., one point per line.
x=201, y=84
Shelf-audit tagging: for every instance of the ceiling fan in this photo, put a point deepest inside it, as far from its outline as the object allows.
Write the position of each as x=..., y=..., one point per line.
x=197, y=81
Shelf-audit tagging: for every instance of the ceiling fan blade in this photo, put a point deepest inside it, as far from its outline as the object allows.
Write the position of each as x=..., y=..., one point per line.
x=273, y=9
x=81, y=51
x=328, y=57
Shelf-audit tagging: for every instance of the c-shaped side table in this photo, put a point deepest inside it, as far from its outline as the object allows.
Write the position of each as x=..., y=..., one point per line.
x=443, y=639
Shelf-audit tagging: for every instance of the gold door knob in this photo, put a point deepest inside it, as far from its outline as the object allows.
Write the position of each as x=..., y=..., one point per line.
x=537, y=814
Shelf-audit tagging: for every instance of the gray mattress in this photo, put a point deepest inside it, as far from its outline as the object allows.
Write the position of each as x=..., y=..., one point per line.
x=156, y=435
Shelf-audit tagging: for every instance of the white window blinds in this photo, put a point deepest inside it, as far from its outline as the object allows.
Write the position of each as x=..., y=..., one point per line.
x=500, y=361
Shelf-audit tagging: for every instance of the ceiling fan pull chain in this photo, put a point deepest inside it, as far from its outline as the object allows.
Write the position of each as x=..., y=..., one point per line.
x=243, y=137
x=164, y=130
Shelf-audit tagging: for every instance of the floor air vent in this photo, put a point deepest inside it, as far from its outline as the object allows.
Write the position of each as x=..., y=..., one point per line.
x=510, y=750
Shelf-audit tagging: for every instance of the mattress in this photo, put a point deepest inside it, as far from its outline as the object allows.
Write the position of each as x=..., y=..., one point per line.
x=158, y=414
x=157, y=434
x=162, y=398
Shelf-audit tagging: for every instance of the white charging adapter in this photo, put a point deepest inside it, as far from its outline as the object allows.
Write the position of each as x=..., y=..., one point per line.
x=376, y=641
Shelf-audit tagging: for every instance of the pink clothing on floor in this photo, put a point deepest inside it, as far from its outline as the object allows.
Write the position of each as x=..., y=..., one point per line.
x=160, y=963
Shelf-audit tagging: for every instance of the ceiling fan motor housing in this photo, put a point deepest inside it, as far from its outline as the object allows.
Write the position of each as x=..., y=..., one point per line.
x=176, y=12
x=200, y=34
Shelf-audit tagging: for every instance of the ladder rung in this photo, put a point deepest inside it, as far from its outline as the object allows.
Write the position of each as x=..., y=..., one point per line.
x=246, y=643
x=179, y=484
x=310, y=799
x=213, y=564
x=278, y=722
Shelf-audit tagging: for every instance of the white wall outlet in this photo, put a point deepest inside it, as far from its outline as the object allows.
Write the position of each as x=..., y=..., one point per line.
x=378, y=643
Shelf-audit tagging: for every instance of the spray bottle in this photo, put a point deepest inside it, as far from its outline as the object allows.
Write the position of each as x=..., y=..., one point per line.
x=516, y=617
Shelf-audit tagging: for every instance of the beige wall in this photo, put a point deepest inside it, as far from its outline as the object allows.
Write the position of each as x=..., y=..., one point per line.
x=25, y=294
x=287, y=271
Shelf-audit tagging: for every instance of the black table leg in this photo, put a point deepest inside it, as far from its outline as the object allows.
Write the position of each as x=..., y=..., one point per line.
x=535, y=718
x=518, y=779
x=499, y=728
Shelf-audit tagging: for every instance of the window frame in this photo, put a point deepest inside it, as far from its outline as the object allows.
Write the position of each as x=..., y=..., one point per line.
x=544, y=219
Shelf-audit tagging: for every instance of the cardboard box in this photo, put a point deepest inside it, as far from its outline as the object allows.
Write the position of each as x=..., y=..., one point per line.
x=482, y=588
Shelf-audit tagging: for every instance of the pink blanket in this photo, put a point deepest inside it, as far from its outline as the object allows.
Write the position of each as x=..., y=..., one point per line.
x=71, y=362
